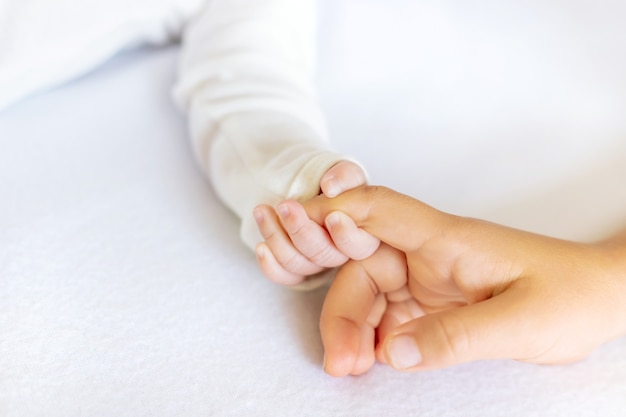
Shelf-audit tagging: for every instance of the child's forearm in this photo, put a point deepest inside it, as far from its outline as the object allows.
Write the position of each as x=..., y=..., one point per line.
x=615, y=249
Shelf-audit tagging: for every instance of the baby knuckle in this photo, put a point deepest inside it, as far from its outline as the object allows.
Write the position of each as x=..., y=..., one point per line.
x=343, y=238
x=298, y=229
x=292, y=263
x=324, y=256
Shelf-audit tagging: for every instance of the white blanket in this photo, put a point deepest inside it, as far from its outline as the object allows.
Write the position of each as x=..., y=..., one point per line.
x=125, y=290
x=44, y=43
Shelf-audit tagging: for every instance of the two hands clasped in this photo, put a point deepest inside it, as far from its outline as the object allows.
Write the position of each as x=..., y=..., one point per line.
x=420, y=289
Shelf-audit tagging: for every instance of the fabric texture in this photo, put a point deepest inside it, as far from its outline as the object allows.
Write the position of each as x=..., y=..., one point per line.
x=245, y=80
x=44, y=43
x=125, y=290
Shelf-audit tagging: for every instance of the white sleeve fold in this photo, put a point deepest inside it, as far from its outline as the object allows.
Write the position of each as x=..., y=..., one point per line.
x=246, y=83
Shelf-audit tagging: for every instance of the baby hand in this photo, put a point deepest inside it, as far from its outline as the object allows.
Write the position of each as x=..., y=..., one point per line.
x=296, y=247
x=442, y=290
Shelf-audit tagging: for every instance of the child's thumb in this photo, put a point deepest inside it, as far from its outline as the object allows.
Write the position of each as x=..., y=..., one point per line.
x=493, y=329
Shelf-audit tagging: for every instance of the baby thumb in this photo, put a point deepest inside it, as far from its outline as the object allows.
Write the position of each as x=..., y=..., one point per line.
x=396, y=219
x=492, y=329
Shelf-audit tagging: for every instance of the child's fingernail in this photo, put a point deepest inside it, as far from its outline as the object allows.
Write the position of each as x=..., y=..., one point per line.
x=260, y=252
x=283, y=210
x=333, y=188
x=258, y=215
x=403, y=352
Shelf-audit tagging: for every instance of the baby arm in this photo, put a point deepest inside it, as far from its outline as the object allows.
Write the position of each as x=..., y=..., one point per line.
x=258, y=133
x=443, y=289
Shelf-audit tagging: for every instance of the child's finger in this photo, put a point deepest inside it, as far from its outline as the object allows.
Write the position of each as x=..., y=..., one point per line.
x=342, y=176
x=367, y=355
x=399, y=310
x=273, y=270
x=280, y=245
x=501, y=327
x=350, y=309
x=397, y=219
x=309, y=238
x=353, y=242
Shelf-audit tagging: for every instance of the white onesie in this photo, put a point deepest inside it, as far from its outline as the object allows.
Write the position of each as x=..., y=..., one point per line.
x=244, y=80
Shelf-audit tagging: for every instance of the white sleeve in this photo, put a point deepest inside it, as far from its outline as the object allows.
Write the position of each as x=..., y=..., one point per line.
x=45, y=43
x=246, y=84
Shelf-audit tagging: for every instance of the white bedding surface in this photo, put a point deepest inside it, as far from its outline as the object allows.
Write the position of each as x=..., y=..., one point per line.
x=124, y=288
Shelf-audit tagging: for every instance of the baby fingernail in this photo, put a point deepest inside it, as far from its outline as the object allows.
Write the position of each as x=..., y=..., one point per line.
x=333, y=220
x=283, y=210
x=333, y=188
x=260, y=252
x=403, y=352
x=258, y=215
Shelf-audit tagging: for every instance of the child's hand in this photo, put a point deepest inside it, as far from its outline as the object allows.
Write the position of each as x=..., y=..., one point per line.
x=296, y=247
x=443, y=290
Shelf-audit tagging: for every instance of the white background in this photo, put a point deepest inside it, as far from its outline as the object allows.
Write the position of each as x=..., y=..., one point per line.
x=124, y=288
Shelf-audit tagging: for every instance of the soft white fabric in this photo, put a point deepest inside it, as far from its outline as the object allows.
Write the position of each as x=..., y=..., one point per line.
x=125, y=290
x=44, y=43
x=245, y=80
